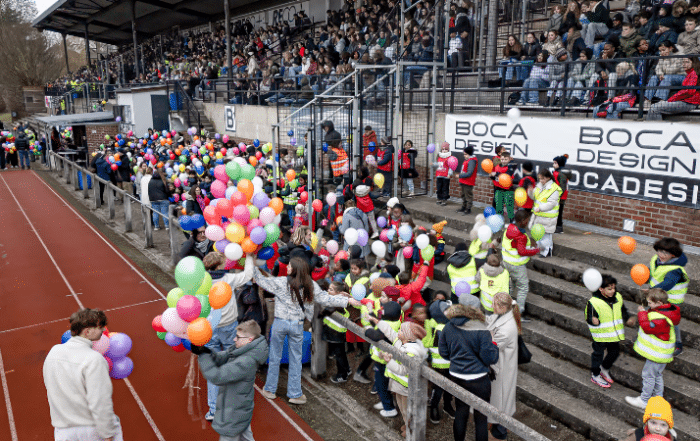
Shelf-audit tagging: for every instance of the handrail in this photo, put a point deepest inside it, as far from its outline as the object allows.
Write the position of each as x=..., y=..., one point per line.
x=191, y=108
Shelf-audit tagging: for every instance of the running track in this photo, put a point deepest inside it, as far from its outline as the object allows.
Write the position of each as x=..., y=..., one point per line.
x=52, y=262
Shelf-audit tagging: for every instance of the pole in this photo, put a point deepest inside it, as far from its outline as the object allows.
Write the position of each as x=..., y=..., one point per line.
x=355, y=130
x=133, y=32
x=493, y=33
x=87, y=45
x=65, y=52
x=227, y=27
x=397, y=109
x=481, y=61
x=523, y=17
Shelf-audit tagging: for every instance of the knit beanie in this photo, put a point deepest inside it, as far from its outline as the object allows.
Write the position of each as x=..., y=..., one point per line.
x=561, y=160
x=445, y=144
x=469, y=300
x=392, y=311
x=659, y=409
x=413, y=331
x=439, y=226
x=392, y=292
x=393, y=270
x=469, y=150
x=380, y=283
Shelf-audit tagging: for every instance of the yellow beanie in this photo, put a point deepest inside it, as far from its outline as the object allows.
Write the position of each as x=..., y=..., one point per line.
x=659, y=409
x=439, y=226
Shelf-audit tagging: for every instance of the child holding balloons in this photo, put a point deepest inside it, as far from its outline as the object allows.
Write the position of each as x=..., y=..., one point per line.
x=334, y=334
x=502, y=176
x=443, y=174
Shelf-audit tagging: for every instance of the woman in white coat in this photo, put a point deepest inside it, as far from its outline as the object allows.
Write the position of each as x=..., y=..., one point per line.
x=504, y=325
x=545, y=209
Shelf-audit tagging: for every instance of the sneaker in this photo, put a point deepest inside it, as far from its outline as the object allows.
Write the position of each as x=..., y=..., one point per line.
x=299, y=400
x=443, y=203
x=469, y=211
x=373, y=391
x=361, y=377
x=379, y=406
x=449, y=410
x=636, y=402
x=156, y=228
x=461, y=210
x=559, y=230
x=389, y=413
x=412, y=194
x=268, y=395
x=520, y=103
x=434, y=415
x=167, y=228
x=439, y=202
x=530, y=103
x=678, y=351
x=600, y=381
x=209, y=416
x=524, y=318
x=338, y=379
x=605, y=374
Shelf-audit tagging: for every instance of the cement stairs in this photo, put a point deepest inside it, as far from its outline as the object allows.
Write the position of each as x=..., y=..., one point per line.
x=557, y=381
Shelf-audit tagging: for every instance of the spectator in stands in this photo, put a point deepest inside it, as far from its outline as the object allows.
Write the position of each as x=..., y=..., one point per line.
x=455, y=47
x=678, y=14
x=646, y=26
x=574, y=41
x=553, y=43
x=605, y=66
x=571, y=19
x=581, y=77
x=669, y=72
x=683, y=101
x=598, y=17
x=557, y=77
x=623, y=99
x=512, y=52
x=555, y=19
x=538, y=79
x=689, y=40
x=629, y=38
x=664, y=33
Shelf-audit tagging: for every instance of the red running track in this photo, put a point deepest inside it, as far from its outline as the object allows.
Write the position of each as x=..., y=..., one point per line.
x=52, y=262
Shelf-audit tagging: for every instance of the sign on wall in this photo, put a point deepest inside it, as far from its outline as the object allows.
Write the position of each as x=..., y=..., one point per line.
x=230, y=118
x=653, y=161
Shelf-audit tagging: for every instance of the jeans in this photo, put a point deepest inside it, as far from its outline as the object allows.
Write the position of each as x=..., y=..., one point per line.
x=679, y=342
x=592, y=30
x=498, y=431
x=613, y=109
x=388, y=182
x=24, y=158
x=666, y=108
x=598, y=357
x=481, y=387
x=411, y=72
x=381, y=385
x=669, y=80
x=160, y=209
x=520, y=71
x=221, y=339
x=294, y=331
x=246, y=435
x=533, y=95
x=518, y=274
x=652, y=380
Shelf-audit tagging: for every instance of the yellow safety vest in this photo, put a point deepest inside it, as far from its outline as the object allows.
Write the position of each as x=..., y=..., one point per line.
x=401, y=379
x=490, y=286
x=476, y=251
x=652, y=347
x=510, y=253
x=611, y=327
x=436, y=360
x=676, y=295
x=541, y=196
x=361, y=281
x=374, y=351
x=466, y=273
x=375, y=308
x=328, y=321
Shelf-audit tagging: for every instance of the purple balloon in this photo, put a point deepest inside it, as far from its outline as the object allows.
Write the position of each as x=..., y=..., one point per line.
x=119, y=346
x=462, y=288
x=258, y=235
x=260, y=200
x=172, y=340
x=381, y=222
x=121, y=368
x=362, y=237
x=221, y=245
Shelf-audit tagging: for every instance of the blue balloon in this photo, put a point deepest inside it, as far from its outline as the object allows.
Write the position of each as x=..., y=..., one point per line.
x=256, y=142
x=325, y=147
x=390, y=234
x=405, y=232
x=215, y=317
x=197, y=221
x=371, y=148
x=277, y=157
x=66, y=336
x=372, y=144
x=185, y=222
x=489, y=211
x=266, y=253
x=220, y=161
x=290, y=133
x=495, y=222
x=187, y=344
x=359, y=292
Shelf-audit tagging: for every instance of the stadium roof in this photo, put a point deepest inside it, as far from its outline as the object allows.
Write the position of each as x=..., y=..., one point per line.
x=109, y=21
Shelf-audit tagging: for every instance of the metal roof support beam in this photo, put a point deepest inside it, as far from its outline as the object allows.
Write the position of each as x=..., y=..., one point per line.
x=133, y=32
x=87, y=45
x=229, y=60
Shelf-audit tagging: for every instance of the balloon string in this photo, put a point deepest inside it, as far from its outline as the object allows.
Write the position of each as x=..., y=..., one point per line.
x=193, y=389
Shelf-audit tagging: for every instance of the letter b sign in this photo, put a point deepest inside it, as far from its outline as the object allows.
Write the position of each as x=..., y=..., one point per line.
x=230, y=118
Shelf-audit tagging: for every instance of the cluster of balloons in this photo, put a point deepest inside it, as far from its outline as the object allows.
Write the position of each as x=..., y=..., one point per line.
x=114, y=347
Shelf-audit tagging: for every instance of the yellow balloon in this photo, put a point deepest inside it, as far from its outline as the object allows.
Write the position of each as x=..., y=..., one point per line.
x=379, y=180
x=182, y=168
x=520, y=196
x=235, y=233
x=219, y=155
x=314, y=240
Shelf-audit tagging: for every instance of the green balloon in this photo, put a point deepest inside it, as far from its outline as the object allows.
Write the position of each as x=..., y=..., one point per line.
x=183, y=159
x=206, y=307
x=136, y=169
x=233, y=170
x=161, y=335
x=247, y=172
x=174, y=295
x=537, y=231
x=205, y=159
x=189, y=274
x=427, y=253
x=254, y=212
x=273, y=233
x=202, y=150
x=205, y=286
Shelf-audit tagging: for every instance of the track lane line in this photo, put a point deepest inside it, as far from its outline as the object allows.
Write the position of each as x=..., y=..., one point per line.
x=8, y=404
x=286, y=417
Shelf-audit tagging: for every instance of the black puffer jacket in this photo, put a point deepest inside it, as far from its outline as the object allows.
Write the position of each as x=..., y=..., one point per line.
x=466, y=343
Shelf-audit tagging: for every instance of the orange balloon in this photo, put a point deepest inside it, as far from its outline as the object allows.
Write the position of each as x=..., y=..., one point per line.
x=291, y=174
x=277, y=205
x=195, y=137
x=505, y=180
x=160, y=164
x=184, y=211
x=169, y=141
x=248, y=246
x=116, y=156
x=220, y=294
x=253, y=161
x=199, y=331
x=246, y=187
x=487, y=165
x=640, y=274
x=627, y=244
x=162, y=141
x=339, y=220
x=177, y=152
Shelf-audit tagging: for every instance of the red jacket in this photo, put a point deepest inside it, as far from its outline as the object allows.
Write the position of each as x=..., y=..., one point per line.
x=443, y=171
x=412, y=290
x=565, y=195
x=690, y=96
x=363, y=200
x=500, y=169
x=472, y=179
x=519, y=241
x=660, y=327
x=522, y=182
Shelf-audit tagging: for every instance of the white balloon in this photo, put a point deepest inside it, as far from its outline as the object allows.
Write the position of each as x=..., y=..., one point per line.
x=514, y=113
x=278, y=219
x=373, y=277
x=422, y=241
x=484, y=233
x=257, y=184
x=379, y=248
x=592, y=279
x=233, y=251
x=240, y=161
x=351, y=235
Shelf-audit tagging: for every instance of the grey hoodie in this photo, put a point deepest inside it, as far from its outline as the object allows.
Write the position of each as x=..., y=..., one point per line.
x=491, y=271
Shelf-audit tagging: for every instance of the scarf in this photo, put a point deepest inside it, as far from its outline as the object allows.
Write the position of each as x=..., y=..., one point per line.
x=202, y=246
x=200, y=201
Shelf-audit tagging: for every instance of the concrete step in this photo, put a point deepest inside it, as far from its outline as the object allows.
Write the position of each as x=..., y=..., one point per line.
x=682, y=392
x=588, y=398
x=571, y=411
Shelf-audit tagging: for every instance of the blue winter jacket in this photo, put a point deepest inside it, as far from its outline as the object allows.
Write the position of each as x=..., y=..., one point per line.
x=467, y=344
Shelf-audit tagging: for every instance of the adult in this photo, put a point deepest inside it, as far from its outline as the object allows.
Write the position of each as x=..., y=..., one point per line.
x=198, y=245
x=78, y=385
x=22, y=146
x=337, y=156
x=545, y=210
x=158, y=194
x=295, y=295
x=355, y=218
x=233, y=370
x=123, y=173
x=194, y=200
x=667, y=73
x=598, y=16
x=505, y=327
x=144, y=181
x=467, y=344
x=385, y=164
x=104, y=171
x=683, y=101
x=140, y=173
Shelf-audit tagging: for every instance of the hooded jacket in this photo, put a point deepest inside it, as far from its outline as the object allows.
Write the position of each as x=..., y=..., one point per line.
x=363, y=199
x=466, y=343
x=519, y=241
x=660, y=327
x=459, y=259
x=21, y=143
x=491, y=271
x=672, y=277
x=354, y=218
x=234, y=372
x=412, y=290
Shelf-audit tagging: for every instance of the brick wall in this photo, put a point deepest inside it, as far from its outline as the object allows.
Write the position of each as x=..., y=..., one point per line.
x=96, y=134
x=653, y=219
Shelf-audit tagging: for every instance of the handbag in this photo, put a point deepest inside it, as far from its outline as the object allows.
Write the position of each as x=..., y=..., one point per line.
x=524, y=354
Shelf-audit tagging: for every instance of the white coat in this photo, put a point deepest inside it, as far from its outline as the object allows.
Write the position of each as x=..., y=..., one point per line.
x=505, y=334
x=144, y=189
x=549, y=223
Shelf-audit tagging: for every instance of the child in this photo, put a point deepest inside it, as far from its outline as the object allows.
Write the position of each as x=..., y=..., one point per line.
x=656, y=341
x=658, y=420
x=355, y=218
x=496, y=161
x=492, y=279
x=358, y=276
x=436, y=231
x=606, y=316
x=341, y=270
x=516, y=252
x=528, y=180
x=301, y=217
x=467, y=180
x=667, y=272
x=411, y=291
x=503, y=194
x=443, y=173
x=478, y=249
x=367, y=137
x=561, y=177
x=462, y=267
x=364, y=203
x=408, y=166
x=334, y=334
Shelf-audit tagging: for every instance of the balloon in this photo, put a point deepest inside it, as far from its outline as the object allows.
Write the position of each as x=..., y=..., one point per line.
x=273, y=233
x=266, y=215
x=487, y=165
x=489, y=211
x=537, y=231
x=362, y=237
x=427, y=253
x=248, y=246
x=317, y=205
x=452, y=163
x=381, y=222
x=119, y=345
x=161, y=335
x=408, y=252
x=640, y=274
x=520, y=196
x=173, y=296
x=383, y=236
x=462, y=288
x=199, y=331
x=505, y=180
x=514, y=113
x=341, y=255
x=253, y=211
x=215, y=233
x=121, y=368
x=258, y=235
x=188, y=308
x=260, y=200
x=332, y=247
x=189, y=274
x=218, y=189
x=206, y=307
x=405, y=232
x=224, y=208
x=379, y=180
x=592, y=279
x=256, y=143
x=331, y=199
x=246, y=187
x=101, y=345
x=484, y=233
x=220, y=173
x=351, y=236
x=390, y=233
x=241, y=215
x=233, y=170
x=233, y=251
x=277, y=205
x=247, y=172
x=110, y=363
x=422, y=241
x=431, y=148
x=303, y=197
x=266, y=253
x=495, y=222
x=379, y=248
x=238, y=198
x=172, y=340
x=359, y=292
x=224, y=139
x=627, y=244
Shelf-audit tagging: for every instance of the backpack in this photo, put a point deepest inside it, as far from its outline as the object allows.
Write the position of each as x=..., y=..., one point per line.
x=513, y=98
x=598, y=97
x=250, y=306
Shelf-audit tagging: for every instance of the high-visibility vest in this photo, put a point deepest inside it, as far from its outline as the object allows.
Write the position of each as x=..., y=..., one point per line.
x=405, y=161
x=466, y=273
x=490, y=286
x=652, y=347
x=541, y=196
x=360, y=281
x=432, y=327
x=476, y=251
x=401, y=379
x=328, y=321
x=611, y=327
x=365, y=310
x=292, y=198
x=374, y=351
x=341, y=164
x=510, y=253
x=676, y=295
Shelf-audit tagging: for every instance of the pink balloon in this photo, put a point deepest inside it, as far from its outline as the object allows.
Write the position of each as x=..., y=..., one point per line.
x=267, y=215
x=332, y=247
x=452, y=163
x=101, y=345
x=220, y=173
x=236, y=151
x=408, y=252
x=188, y=308
x=383, y=237
x=218, y=189
x=109, y=363
x=241, y=214
x=215, y=233
x=173, y=323
x=176, y=197
x=224, y=139
x=331, y=199
x=253, y=224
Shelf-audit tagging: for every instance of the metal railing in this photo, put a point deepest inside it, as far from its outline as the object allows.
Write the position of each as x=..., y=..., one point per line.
x=188, y=107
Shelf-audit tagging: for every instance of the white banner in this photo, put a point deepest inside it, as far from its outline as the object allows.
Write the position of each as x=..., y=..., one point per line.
x=656, y=161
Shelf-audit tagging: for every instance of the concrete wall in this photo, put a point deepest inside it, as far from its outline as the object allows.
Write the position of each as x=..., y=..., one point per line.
x=251, y=121
x=33, y=98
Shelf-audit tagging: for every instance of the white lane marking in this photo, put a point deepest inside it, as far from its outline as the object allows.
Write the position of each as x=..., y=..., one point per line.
x=143, y=409
x=8, y=404
x=286, y=417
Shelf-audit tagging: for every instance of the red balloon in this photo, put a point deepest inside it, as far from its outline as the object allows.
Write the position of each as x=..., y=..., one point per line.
x=258, y=155
x=224, y=208
x=158, y=324
x=317, y=205
x=223, y=151
x=238, y=198
x=179, y=348
x=303, y=197
x=211, y=216
x=172, y=157
x=341, y=255
x=114, y=167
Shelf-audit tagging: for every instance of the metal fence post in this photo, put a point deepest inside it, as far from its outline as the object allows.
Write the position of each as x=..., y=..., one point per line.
x=502, y=105
x=66, y=171
x=564, y=89
x=319, y=348
x=76, y=182
x=110, y=201
x=149, y=227
x=128, y=227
